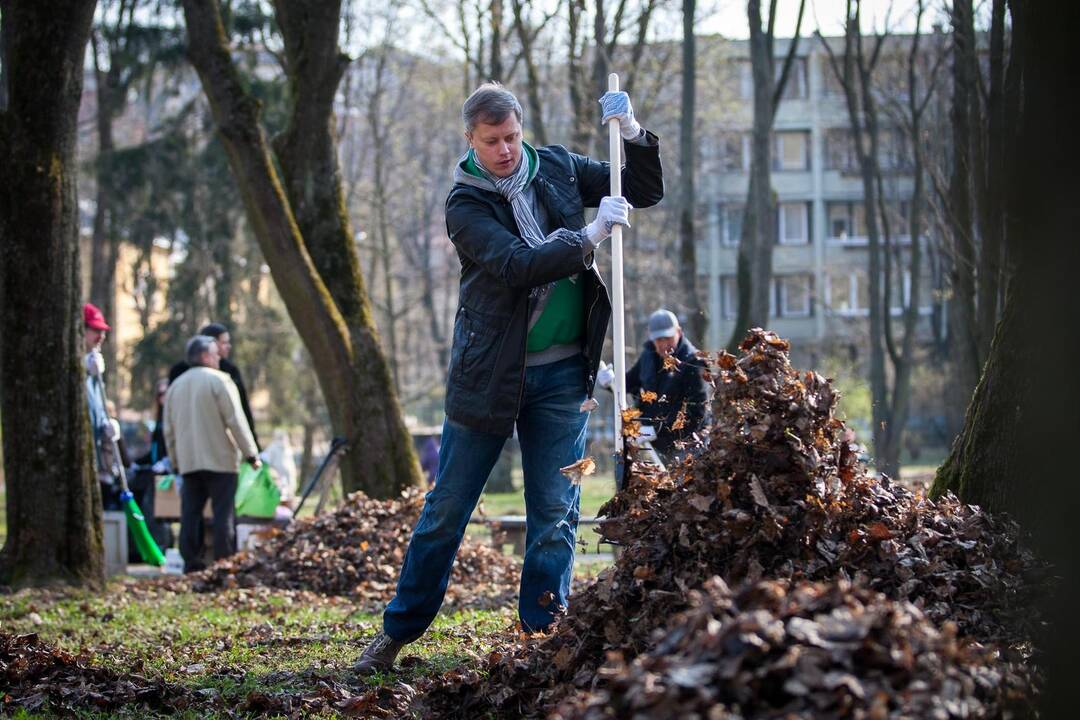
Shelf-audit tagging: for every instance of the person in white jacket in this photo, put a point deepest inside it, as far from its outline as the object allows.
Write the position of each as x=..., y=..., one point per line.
x=207, y=435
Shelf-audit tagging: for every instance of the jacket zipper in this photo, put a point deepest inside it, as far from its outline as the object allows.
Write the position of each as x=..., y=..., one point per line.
x=588, y=329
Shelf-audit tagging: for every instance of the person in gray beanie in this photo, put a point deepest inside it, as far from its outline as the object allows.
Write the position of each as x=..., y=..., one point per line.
x=681, y=397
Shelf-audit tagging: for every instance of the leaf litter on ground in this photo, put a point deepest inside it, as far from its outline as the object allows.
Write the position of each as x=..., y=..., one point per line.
x=357, y=551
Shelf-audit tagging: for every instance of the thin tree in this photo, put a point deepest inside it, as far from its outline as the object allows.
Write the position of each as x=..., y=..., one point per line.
x=124, y=48
x=304, y=230
x=964, y=358
x=53, y=501
x=854, y=71
x=754, y=265
x=694, y=308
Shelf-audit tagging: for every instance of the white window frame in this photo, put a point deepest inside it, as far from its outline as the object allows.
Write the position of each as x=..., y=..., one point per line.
x=851, y=240
x=729, y=299
x=726, y=238
x=778, y=150
x=787, y=312
x=781, y=237
x=797, y=76
x=851, y=281
x=746, y=80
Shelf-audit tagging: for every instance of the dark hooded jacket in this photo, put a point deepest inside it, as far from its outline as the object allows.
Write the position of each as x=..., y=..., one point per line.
x=486, y=378
x=676, y=389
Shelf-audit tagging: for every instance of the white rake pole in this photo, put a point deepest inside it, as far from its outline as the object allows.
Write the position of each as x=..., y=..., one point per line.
x=615, y=148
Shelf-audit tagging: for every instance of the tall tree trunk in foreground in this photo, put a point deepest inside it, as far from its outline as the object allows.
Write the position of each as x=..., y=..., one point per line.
x=304, y=233
x=754, y=265
x=1014, y=451
x=53, y=501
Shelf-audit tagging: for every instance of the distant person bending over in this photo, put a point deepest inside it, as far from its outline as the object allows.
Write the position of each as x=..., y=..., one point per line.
x=221, y=334
x=675, y=394
x=206, y=435
x=531, y=319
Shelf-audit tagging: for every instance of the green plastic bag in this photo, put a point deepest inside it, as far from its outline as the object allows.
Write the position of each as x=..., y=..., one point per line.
x=256, y=493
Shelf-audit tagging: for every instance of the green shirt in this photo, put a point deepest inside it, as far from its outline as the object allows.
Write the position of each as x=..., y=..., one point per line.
x=563, y=319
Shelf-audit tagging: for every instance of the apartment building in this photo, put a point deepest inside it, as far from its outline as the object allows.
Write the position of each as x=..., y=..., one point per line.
x=819, y=290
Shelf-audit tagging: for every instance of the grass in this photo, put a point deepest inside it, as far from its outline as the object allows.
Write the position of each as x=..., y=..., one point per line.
x=237, y=642
x=595, y=491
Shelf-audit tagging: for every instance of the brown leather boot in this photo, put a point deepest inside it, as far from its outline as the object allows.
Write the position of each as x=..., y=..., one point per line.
x=378, y=656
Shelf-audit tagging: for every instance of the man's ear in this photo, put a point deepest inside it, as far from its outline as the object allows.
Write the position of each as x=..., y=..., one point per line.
x=468, y=138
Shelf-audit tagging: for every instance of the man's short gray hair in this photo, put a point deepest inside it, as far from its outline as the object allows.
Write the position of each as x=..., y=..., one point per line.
x=490, y=104
x=195, y=348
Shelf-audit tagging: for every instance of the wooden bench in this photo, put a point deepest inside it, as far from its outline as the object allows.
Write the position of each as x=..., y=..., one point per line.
x=511, y=529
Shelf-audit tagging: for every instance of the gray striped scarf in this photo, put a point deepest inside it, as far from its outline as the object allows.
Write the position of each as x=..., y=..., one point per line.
x=512, y=187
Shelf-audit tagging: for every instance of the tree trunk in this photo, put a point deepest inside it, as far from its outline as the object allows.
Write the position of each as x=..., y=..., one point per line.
x=325, y=298
x=496, y=66
x=754, y=264
x=695, y=316
x=533, y=91
x=963, y=343
x=53, y=501
x=991, y=194
x=1021, y=416
x=582, y=129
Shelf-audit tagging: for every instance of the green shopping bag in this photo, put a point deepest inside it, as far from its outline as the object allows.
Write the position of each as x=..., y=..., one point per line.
x=256, y=493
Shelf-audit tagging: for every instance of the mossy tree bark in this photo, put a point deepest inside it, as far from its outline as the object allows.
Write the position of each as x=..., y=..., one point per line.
x=53, y=502
x=1014, y=453
x=1028, y=383
x=304, y=232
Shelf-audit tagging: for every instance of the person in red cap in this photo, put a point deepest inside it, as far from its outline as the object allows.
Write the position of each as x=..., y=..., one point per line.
x=104, y=428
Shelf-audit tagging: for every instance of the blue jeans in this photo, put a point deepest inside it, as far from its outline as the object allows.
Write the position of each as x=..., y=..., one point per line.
x=551, y=431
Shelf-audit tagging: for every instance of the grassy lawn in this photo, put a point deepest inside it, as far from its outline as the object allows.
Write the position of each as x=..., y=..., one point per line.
x=595, y=491
x=237, y=642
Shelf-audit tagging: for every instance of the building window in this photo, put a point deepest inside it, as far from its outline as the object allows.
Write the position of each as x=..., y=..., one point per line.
x=734, y=151
x=746, y=80
x=893, y=151
x=795, y=89
x=732, y=218
x=791, y=150
x=849, y=294
x=840, y=150
x=729, y=301
x=794, y=226
x=833, y=87
x=847, y=222
x=794, y=293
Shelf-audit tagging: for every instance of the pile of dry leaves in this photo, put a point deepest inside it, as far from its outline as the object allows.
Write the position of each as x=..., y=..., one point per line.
x=35, y=675
x=775, y=495
x=810, y=650
x=357, y=551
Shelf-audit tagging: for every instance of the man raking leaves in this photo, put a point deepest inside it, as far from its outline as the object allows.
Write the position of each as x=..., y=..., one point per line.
x=532, y=315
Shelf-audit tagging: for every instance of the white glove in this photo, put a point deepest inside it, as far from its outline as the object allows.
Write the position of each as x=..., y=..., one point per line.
x=111, y=430
x=613, y=211
x=95, y=363
x=616, y=105
x=605, y=376
x=161, y=467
